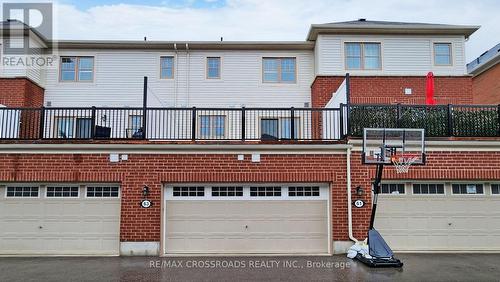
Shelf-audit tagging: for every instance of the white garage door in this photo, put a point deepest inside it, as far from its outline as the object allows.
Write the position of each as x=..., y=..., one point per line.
x=59, y=220
x=440, y=217
x=246, y=219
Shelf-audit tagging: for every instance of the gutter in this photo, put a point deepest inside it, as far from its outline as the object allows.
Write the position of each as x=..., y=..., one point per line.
x=349, y=195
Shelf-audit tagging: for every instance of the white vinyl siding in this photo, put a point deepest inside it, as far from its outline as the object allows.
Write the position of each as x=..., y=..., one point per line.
x=400, y=54
x=118, y=80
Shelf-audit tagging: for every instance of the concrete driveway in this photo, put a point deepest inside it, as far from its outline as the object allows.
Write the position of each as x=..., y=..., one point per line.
x=418, y=267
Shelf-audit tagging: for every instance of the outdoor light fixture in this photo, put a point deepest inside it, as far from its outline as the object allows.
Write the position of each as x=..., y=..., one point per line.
x=359, y=191
x=145, y=191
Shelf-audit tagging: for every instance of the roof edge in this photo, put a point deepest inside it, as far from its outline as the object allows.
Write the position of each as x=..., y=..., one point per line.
x=466, y=30
x=184, y=45
x=486, y=65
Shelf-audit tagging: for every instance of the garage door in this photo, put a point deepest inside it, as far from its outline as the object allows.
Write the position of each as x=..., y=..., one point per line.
x=246, y=219
x=440, y=217
x=59, y=220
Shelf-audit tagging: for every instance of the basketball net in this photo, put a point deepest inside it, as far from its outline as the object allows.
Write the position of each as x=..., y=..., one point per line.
x=403, y=163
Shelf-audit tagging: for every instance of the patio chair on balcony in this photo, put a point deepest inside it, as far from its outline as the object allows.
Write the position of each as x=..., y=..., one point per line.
x=135, y=133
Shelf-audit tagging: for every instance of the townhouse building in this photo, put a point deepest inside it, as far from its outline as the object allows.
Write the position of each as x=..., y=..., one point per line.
x=176, y=148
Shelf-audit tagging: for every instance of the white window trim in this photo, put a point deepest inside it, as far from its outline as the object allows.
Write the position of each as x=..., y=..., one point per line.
x=362, y=69
x=220, y=68
x=323, y=192
x=23, y=185
x=491, y=188
x=280, y=82
x=76, y=80
x=452, y=59
x=102, y=185
x=395, y=182
x=214, y=137
x=174, y=67
x=428, y=195
x=46, y=190
x=467, y=194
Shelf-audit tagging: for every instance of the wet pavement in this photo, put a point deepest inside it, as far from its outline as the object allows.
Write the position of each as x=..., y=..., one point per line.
x=418, y=267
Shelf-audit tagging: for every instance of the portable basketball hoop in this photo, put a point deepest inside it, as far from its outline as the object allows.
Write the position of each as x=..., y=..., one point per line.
x=400, y=147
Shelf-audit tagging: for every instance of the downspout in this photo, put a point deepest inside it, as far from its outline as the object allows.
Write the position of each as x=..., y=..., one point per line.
x=188, y=71
x=349, y=196
x=176, y=77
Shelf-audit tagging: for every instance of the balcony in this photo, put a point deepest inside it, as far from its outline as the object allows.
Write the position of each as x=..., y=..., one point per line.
x=243, y=124
x=173, y=124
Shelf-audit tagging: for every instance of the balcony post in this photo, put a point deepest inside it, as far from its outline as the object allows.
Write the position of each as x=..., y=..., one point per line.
x=398, y=115
x=92, y=126
x=341, y=121
x=193, y=124
x=498, y=119
x=292, y=123
x=243, y=124
x=41, y=129
x=450, y=120
x=144, y=107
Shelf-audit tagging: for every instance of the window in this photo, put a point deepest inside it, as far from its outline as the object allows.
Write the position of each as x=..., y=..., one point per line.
x=428, y=189
x=65, y=127
x=102, y=192
x=442, y=54
x=265, y=191
x=135, y=126
x=77, y=69
x=62, y=192
x=398, y=188
x=212, y=127
x=24, y=192
x=83, y=128
x=269, y=128
x=303, y=191
x=279, y=70
x=363, y=56
x=467, y=188
x=166, y=67
x=286, y=127
x=189, y=191
x=495, y=189
x=227, y=191
x=274, y=128
x=213, y=67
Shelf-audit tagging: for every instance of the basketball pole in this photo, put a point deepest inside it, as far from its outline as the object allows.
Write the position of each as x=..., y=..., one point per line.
x=376, y=191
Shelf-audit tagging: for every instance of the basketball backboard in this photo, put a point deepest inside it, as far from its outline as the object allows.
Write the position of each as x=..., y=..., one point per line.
x=390, y=145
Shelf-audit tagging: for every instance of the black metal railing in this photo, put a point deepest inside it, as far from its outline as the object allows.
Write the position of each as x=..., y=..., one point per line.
x=437, y=120
x=246, y=124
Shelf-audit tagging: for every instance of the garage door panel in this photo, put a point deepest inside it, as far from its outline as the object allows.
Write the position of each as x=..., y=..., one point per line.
x=245, y=226
x=69, y=226
x=439, y=222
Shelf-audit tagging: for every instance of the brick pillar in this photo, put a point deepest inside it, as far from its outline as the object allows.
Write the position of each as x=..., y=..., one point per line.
x=23, y=93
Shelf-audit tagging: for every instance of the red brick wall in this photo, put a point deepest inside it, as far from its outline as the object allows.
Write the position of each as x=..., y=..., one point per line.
x=20, y=92
x=390, y=89
x=139, y=224
x=486, y=87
